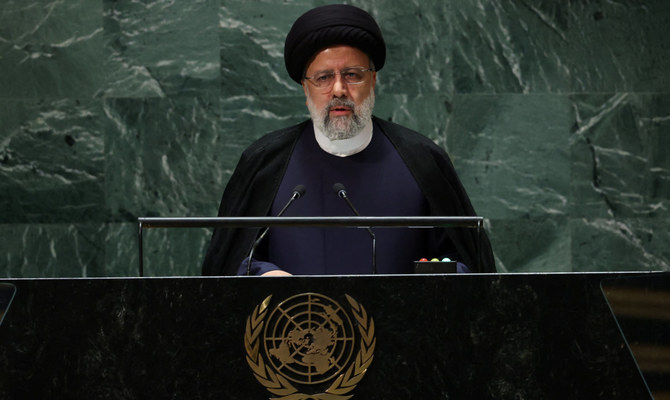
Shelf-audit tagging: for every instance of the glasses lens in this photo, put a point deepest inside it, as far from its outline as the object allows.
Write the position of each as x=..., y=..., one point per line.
x=323, y=79
x=353, y=75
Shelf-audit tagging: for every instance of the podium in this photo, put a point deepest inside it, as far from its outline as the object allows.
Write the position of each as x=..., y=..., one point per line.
x=461, y=336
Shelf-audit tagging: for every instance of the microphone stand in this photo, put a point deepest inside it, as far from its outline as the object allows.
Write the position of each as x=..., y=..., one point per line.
x=341, y=192
x=298, y=192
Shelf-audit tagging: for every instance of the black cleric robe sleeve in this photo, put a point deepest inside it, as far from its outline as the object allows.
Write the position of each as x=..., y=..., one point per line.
x=249, y=193
x=435, y=174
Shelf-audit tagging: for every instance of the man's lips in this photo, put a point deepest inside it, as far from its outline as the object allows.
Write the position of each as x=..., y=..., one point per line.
x=339, y=110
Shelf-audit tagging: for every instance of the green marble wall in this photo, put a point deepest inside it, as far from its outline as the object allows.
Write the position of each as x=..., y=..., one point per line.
x=556, y=114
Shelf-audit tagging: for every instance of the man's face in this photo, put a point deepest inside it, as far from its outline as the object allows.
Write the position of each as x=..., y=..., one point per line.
x=341, y=109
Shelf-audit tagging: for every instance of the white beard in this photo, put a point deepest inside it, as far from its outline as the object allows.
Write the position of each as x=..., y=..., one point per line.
x=344, y=127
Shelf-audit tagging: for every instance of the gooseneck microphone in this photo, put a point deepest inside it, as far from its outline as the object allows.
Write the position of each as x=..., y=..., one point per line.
x=298, y=192
x=342, y=193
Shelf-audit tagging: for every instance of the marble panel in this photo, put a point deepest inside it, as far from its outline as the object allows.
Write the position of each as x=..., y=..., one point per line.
x=160, y=48
x=628, y=244
x=163, y=156
x=619, y=46
x=620, y=165
x=247, y=118
x=418, y=38
x=531, y=244
x=252, y=47
x=50, y=49
x=427, y=114
x=511, y=152
x=510, y=46
x=51, y=161
x=535, y=46
x=52, y=250
x=166, y=252
x=173, y=157
x=121, y=249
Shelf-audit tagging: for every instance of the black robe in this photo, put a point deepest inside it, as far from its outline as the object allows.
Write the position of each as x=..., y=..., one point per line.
x=254, y=184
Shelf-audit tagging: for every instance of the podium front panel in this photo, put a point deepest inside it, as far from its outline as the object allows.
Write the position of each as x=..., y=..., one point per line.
x=498, y=336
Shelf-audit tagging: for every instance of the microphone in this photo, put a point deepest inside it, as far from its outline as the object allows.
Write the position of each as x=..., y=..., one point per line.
x=298, y=192
x=342, y=193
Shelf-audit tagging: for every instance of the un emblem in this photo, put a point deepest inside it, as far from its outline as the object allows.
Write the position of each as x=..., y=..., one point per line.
x=308, y=347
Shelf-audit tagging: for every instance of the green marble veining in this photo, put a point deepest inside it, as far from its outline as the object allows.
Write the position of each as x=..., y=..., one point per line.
x=532, y=244
x=555, y=114
x=50, y=49
x=425, y=113
x=558, y=47
x=165, y=251
x=52, y=250
x=512, y=153
x=620, y=161
x=600, y=244
x=160, y=48
x=51, y=161
x=159, y=159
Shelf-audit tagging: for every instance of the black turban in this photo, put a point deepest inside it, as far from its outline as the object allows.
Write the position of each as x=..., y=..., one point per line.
x=330, y=25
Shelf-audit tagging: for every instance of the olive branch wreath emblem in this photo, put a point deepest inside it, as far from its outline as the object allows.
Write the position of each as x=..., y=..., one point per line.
x=275, y=383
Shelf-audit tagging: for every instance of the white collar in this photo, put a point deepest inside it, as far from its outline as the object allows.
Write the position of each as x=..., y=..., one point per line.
x=345, y=147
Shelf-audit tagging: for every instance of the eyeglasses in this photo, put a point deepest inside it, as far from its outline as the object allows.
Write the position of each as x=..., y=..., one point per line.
x=352, y=76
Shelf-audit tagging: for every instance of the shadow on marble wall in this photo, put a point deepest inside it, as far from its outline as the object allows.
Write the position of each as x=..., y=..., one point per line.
x=556, y=116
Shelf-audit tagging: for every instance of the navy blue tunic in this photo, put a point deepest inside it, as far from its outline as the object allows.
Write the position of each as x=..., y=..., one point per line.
x=378, y=183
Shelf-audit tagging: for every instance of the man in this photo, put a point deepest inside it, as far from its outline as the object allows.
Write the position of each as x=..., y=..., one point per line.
x=334, y=52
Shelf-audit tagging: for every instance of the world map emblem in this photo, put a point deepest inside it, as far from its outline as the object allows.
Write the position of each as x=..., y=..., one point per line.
x=309, y=346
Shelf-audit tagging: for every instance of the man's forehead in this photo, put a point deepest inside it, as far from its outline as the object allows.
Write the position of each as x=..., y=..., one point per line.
x=338, y=56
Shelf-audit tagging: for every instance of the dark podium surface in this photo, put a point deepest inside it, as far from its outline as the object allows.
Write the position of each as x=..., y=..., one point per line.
x=507, y=336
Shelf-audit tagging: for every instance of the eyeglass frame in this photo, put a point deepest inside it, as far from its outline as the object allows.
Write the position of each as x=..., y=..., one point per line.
x=333, y=73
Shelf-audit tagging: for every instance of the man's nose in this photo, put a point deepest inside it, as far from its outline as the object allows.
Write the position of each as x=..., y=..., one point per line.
x=339, y=86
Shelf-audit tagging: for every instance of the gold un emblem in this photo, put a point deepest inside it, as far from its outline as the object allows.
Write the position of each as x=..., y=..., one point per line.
x=309, y=348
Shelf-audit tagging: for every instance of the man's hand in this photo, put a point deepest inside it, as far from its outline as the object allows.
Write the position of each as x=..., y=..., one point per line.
x=276, y=272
